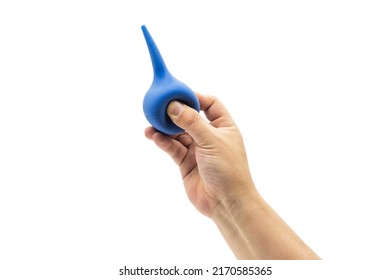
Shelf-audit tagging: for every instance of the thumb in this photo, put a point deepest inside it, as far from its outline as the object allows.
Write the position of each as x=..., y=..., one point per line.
x=189, y=120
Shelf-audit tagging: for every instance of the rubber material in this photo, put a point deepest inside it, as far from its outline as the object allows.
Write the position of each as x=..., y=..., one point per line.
x=164, y=89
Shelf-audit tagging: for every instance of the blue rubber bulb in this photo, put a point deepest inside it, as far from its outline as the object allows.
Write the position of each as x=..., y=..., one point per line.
x=164, y=89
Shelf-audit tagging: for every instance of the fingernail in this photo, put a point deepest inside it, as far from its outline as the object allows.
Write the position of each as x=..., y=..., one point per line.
x=175, y=108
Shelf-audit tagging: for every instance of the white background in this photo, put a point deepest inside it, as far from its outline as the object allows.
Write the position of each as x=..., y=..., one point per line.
x=83, y=193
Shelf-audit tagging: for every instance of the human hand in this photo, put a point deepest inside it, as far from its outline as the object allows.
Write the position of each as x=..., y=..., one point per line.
x=210, y=154
x=214, y=167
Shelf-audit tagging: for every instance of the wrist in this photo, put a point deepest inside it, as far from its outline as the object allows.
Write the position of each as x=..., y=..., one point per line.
x=242, y=203
x=253, y=230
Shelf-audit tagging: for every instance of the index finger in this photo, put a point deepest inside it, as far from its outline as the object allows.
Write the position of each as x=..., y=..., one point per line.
x=215, y=111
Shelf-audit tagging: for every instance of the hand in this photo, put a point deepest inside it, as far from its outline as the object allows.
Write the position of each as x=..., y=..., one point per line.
x=214, y=167
x=211, y=155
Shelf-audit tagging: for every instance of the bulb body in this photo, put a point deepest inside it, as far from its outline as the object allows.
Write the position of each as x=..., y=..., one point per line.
x=158, y=98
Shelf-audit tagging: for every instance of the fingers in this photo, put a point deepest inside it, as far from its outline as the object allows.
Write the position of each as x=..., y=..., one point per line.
x=214, y=110
x=185, y=139
x=191, y=121
x=178, y=147
x=149, y=131
x=171, y=146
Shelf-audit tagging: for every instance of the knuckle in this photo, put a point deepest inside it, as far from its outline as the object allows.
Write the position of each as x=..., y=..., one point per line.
x=191, y=119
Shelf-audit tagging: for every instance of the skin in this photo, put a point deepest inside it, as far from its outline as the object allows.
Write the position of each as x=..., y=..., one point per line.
x=212, y=160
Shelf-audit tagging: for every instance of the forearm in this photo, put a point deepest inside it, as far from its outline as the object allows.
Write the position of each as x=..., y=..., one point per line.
x=254, y=230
